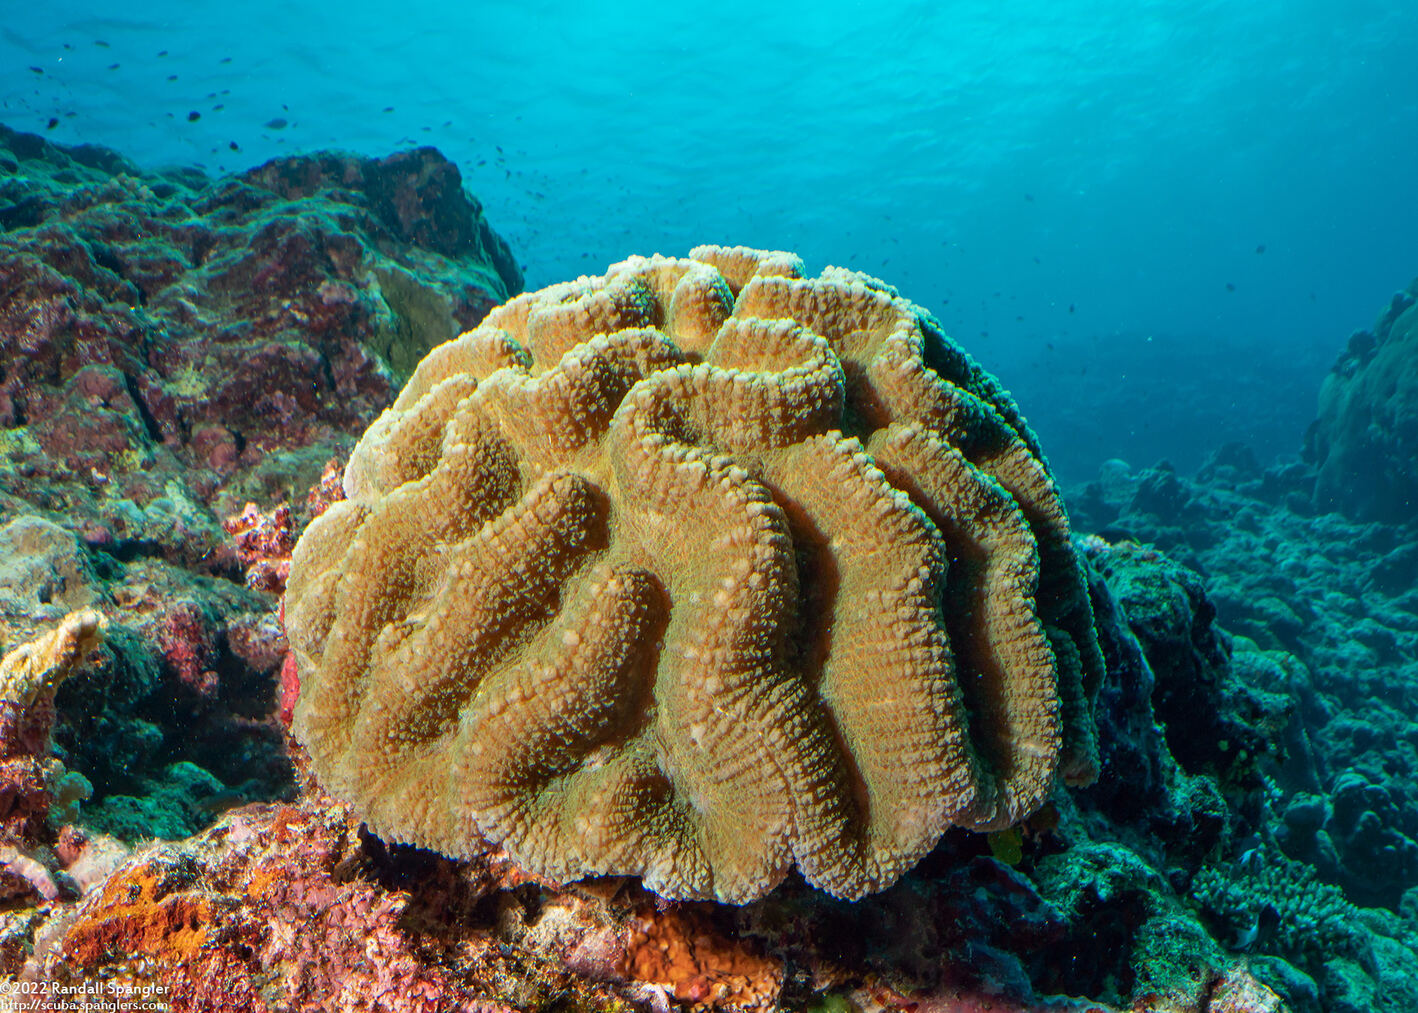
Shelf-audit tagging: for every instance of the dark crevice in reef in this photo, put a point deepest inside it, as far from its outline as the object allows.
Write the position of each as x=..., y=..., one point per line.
x=149, y=423
x=105, y=256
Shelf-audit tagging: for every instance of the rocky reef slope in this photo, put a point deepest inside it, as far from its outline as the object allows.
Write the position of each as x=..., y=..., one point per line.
x=171, y=348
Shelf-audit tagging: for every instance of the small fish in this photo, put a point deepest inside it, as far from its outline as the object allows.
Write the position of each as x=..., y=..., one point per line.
x=225, y=59
x=162, y=52
x=1070, y=307
x=234, y=146
x=1230, y=287
x=278, y=123
x=1029, y=197
x=1245, y=935
x=1260, y=248
x=100, y=42
x=219, y=802
x=113, y=66
x=193, y=116
x=172, y=77
x=37, y=70
x=387, y=109
x=53, y=122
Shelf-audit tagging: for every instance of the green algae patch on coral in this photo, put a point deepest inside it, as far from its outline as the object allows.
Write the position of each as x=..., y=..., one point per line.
x=43, y=566
x=17, y=442
x=1173, y=954
x=418, y=319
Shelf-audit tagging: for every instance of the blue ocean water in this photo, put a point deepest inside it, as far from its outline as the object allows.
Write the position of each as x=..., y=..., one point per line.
x=1156, y=221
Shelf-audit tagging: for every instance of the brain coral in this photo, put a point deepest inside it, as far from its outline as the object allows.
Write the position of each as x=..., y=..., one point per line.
x=697, y=571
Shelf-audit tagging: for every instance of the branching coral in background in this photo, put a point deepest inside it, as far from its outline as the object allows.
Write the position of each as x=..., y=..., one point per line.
x=1275, y=903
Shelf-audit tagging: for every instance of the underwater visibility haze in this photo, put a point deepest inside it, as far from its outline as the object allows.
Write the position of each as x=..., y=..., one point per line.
x=973, y=566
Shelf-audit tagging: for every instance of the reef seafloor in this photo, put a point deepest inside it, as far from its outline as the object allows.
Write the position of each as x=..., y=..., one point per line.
x=187, y=364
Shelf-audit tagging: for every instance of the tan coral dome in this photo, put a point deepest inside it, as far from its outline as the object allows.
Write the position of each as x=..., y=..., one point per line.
x=697, y=571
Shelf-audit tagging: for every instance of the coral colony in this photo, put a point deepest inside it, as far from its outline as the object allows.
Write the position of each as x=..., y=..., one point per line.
x=614, y=588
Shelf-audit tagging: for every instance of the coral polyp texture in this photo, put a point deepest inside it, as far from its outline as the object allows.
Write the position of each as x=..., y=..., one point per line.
x=698, y=571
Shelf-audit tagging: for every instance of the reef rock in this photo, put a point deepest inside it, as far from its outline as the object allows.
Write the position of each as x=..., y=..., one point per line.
x=297, y=908
x=1291, y=652
x=166, y=339
x=172, y=349
x=1365, y=440
x=697, y=571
